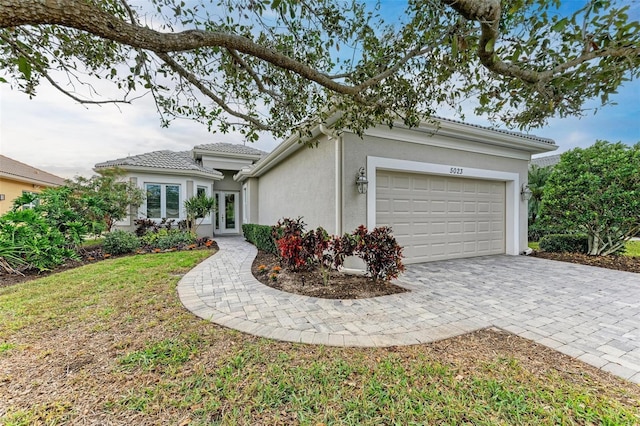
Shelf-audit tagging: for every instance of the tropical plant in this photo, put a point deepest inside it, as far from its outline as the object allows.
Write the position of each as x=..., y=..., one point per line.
x=596, y=191
x=198, y=207
x=276, y=65
x=380, y=251
x=29, y=240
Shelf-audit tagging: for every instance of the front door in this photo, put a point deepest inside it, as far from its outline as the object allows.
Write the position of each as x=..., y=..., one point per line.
x=227, y=219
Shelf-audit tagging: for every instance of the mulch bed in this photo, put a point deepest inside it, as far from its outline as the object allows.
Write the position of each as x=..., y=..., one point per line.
x=620, y=263
x=87, y=255
x=310, y=283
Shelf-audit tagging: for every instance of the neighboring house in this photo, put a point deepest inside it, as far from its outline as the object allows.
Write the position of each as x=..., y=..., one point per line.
x=547, y=161
x=17, y=178
x=448, y=190
x=169, y=178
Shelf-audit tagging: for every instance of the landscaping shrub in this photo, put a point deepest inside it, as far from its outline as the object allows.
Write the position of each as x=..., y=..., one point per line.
x=120, y=242
x=380, y=251
x=166, y=239
x=298, y=249
x=288, y=236
x=559, y=243
x=260, y=236
x=145, y=226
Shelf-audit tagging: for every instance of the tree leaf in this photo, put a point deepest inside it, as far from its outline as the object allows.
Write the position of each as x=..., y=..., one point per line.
x=24, y=67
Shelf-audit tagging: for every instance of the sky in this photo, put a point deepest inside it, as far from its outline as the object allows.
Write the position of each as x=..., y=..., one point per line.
x=55, y=134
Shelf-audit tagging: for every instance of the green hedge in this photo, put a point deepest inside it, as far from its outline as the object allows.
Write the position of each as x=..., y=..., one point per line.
x=559, y=243
x=259, y=236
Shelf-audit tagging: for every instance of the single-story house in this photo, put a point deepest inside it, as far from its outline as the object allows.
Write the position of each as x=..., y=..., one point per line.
x=447, y=189
x=17, y=178
x=169, y=178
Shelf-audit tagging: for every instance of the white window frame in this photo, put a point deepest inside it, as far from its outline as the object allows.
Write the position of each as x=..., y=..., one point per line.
x=163, y=200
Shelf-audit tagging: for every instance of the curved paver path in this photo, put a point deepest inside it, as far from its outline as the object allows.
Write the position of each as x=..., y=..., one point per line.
x=590, y=313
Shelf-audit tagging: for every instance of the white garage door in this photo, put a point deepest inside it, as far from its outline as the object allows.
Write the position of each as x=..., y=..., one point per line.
x=441, y=217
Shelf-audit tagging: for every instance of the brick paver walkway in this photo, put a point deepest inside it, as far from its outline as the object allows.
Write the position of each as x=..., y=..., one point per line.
x=589, y=313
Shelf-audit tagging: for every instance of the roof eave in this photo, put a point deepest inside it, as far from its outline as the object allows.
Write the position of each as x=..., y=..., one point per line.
x=30, y=180
x=201, y=151
x=452, y=129
x=282, y=151
x=216, y=175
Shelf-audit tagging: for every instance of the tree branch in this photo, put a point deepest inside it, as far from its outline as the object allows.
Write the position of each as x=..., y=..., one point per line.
x=193, y=79
x=256, y=78
x=488, y=12
x=46, y=75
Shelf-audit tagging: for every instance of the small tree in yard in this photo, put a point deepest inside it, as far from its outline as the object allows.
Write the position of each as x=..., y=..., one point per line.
x=596, y=191
x=198, y=208
x=104, y=199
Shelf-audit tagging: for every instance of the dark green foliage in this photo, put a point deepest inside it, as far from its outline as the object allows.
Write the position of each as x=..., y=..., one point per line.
x=29, y=240
x=565, y=243
x=537, y=178
x=260, y=236
x=596, y=191
x=120, y=242
x=537, y=230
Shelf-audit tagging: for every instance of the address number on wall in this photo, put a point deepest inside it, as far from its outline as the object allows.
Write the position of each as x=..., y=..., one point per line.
x=456, y=170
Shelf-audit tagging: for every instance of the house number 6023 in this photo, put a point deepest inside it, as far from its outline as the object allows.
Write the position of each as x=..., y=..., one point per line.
x=456, y=170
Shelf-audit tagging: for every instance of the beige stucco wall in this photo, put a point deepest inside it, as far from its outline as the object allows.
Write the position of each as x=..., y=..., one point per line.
x=356, y=151
x=302, y=185
x=13, y=189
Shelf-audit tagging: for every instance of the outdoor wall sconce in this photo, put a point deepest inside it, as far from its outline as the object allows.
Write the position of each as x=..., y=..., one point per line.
x=361, y=181
x=1, y=197
x=525, y=192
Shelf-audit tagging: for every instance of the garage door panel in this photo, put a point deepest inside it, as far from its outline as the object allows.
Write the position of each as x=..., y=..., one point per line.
x=439, y=217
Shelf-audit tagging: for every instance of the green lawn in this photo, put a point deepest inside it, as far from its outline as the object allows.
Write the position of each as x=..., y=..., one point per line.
x=111, y=343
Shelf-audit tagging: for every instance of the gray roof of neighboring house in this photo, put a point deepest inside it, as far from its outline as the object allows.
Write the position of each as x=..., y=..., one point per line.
x=169, y=160
x=230, y=148
x=13, y=169
x=549, y=160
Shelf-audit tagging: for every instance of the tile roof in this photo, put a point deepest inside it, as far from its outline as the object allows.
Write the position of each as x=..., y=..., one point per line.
x=549, y=160
x=230, y=148
x=165, y=159
x=495, y=129
x=15, y=169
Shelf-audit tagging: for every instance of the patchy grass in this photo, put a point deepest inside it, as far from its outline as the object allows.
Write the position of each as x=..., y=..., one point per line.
x=632, y=248
x=110, y=343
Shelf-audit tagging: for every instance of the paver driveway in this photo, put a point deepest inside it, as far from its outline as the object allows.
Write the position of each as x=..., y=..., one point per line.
x=589, y=313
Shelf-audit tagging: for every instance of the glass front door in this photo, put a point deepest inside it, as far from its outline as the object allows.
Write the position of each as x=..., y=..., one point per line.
x=227, y=220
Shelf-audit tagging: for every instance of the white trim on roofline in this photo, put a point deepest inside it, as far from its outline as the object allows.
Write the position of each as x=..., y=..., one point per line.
x=468, y=137
x=216, y=175
x=512, y=183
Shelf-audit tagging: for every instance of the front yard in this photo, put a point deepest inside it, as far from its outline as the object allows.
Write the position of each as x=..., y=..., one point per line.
x=110, y=343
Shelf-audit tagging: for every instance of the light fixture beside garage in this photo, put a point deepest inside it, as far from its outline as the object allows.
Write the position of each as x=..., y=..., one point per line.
x=361, y=181
x=525, y=192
